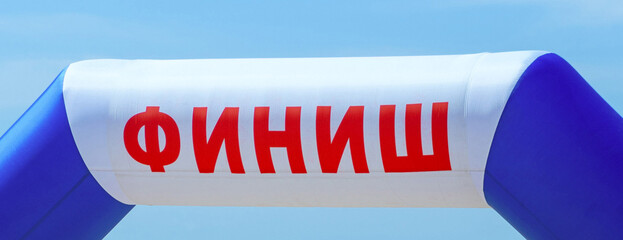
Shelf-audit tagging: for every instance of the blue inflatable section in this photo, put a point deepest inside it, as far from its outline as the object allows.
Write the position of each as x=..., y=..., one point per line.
x=47, y=191
x=555, y=169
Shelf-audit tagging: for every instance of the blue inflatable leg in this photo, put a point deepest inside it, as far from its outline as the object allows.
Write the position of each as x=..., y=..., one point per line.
x=555, y=169
x=47, y=191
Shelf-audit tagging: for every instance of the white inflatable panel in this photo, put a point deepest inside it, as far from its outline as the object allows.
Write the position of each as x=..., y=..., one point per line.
x=102, y=96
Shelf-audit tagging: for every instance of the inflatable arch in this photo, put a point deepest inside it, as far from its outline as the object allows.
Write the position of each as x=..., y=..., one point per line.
x=520, y=132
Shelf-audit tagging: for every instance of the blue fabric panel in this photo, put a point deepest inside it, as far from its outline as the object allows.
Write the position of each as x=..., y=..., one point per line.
x=555, y=168
x=44, y=183
x=99, y=213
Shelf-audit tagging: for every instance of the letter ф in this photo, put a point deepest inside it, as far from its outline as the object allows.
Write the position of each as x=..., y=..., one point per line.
x=151, y=119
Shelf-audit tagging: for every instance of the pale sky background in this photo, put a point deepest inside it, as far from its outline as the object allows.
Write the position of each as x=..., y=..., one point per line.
x=39, y=38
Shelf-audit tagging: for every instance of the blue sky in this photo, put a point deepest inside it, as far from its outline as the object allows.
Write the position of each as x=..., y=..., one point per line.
x=39, y=38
